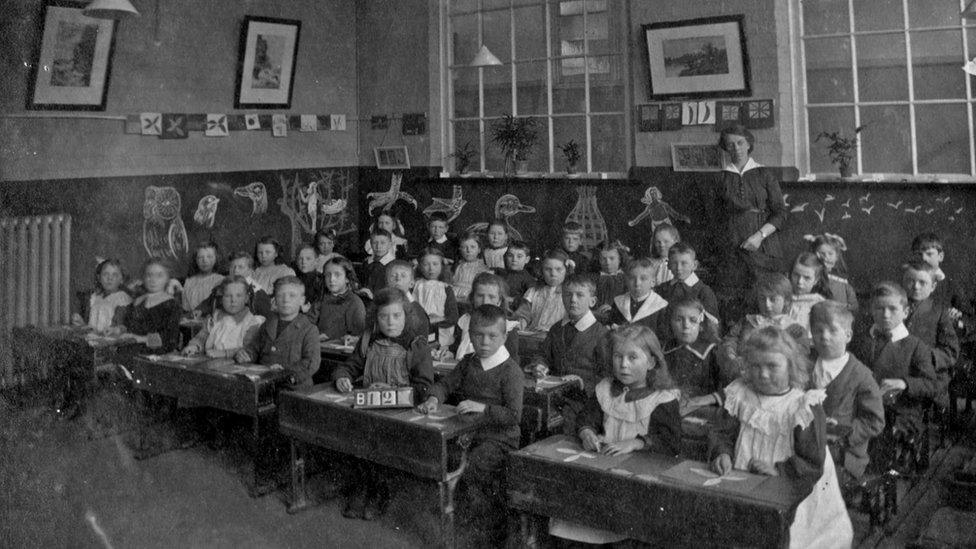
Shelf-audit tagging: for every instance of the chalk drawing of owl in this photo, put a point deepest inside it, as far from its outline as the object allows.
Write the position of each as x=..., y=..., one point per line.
x=258, y=194
x=163, y=233
x=206, y=211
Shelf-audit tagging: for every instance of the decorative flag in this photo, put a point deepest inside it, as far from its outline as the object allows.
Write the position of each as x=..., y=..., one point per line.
x=235, y=123
x=216, y=125
x=338, y=122
x=174, y=126
x=196, y=122
x=152, y=123
x=689, y=113
x=727, y=113
x=706, y=112
x=309, y=123
x=279, y=125
x=252, y=122
x=649, y=118
x=672, y=117
x=294, y=122
x=759, y=114
x=325, y=122
x=133, y=124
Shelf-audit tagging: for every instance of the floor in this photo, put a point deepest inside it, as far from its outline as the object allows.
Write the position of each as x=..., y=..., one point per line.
x=76, y=484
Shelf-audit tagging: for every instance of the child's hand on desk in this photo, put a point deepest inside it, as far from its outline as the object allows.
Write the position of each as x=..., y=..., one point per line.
x=470, y=407
x=428, y=406
x=344, y=385
x=243, y=356
x=722, y=464
x=537, y=371
x=622, y=447
x=762, y=468
x=191, y=350
x=591, y=442
x=214, y=353
x=893, y=384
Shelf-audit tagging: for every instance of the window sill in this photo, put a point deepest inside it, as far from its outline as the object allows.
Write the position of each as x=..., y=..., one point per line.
x=535, y=175
x=888, y=178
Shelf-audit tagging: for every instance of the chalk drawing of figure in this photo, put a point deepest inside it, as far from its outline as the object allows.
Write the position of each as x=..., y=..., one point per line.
x=450, y=206
x=310, y=196
x=657, y=209
x=506, y=206
x=206, y=211
x=387, y=199
x=258, y=195
x=163, y=233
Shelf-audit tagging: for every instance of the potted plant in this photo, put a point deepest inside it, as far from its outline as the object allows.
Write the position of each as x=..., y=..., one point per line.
x=572, y=153
x=463, y=155
x=515, y=137
x=842, y=150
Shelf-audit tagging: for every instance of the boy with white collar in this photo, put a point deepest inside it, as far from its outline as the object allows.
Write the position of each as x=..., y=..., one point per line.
x=488, y=382
x=683, y=262
x=640, y=305
x=853, y=397
x=384, y=252
x=437, y=227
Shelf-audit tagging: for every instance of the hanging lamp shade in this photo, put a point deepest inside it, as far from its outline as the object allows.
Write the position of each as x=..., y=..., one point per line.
x=487, y=59
x=110, y=9
x=970, y=11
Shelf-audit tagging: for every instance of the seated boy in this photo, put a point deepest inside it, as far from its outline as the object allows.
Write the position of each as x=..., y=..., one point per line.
x=683, y=262
x=949, y=292
x=578, y=348
x=579, y=261
x=930, y=321
x=898, y=360
x=518, y=279
x=374, y=272
x=640, y=305
x=400, y=274
x=487, y=382
x=437, y=229
x=288, y=339
x=241, y=264
x=853, y=397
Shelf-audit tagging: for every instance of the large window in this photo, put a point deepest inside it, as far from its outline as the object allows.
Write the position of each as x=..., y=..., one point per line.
x=894, y=67
x=563, y=63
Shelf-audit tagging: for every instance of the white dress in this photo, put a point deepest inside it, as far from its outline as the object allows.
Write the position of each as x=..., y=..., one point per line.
x=101, y=309
x=799, y=311
x=495, y=257
x=432, y=296
x=226, y=334
x=766, y=426
x=546, y=307
x=266, y=276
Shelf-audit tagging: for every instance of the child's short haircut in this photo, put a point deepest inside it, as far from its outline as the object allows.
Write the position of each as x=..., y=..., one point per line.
x=622, y=250
x=399, y=264
x=640, y=263
x=572, y=227
x=669, y=228
x=773, y=284
x=242, y=255
x=325, y=233
x=471, y=235
x=341, y=261
x=437, y=216
x=923, y=267
x=658, y=377
x=810, y=259
x=888, y=288
x=826, y=312
x=236, y=279
x=519, y=245
x=279, y=249
x=381, y=232
x=707, y=331
x=579, y=279
x=736, y=129
x=925, y=241
x=558, y=255
x=390, y=296
x=498, y=223
x=487, y=315
x=682, y=248
x=489, y=278
x=288, y=281
x=774, y=340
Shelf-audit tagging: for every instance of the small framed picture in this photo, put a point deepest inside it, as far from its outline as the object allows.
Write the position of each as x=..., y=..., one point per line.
x=266, y=63
x=695, y=157
x=74, y=59
x=392, y=158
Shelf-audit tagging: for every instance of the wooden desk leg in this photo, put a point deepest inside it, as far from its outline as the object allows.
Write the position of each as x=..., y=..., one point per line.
x=262, y=457
x=299, y=493
x=446, y=489
x=527, y=526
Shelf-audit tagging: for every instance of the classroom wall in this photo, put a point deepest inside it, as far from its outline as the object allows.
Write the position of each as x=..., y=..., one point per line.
x=188, y=65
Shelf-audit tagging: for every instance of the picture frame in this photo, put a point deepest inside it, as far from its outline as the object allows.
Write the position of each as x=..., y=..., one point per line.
x=392, y=158
x=266, y=63
x=696, y=157
x=73, y=61
x=697, y=58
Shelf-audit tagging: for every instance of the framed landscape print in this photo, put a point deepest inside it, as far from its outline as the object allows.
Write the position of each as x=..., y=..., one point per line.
x=266, y=63
x=694, y=157
x=697, y=58
x=392, y=158
x=74, y=60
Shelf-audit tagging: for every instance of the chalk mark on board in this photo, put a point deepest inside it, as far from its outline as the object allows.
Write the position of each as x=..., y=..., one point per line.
x=163, y=232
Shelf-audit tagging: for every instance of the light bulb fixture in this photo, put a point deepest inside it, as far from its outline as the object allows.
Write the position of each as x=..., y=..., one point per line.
x=487, y=59
x=110, y=9
x=970, y=11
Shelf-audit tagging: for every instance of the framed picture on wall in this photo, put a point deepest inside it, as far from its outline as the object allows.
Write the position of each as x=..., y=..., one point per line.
x=266, y=63
x=392, y=158
x=695, y=157
x=697, y=58
x=74, y=59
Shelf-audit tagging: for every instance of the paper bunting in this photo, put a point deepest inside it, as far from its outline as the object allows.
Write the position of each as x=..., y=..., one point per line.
x=279, y=125
x=754, y=114
x=672, y=117
x=179, y=125
x=133, y=124
x=216, y=125
x=759, y=114
x=309, y=123
x=252, y=122
x=649, y=118
x=196, y=122
x=338, y=122
x=152, y=123
x=727, y=113
x=174, y=126
x=689, y=113
x=706, y=112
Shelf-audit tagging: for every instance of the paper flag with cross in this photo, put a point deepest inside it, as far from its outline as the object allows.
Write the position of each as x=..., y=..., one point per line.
x=152, y=123
x=759, y=114
x=174, y=126
x=727, y=113
x=216, y=125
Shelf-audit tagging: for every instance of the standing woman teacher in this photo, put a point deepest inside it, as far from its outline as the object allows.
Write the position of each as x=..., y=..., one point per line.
x=751, y=197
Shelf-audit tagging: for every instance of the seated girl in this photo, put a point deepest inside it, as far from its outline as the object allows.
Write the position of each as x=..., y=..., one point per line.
x=108, y=302
x=232, y=326
x=203, y=278
x=342, y=313
x=153, y=319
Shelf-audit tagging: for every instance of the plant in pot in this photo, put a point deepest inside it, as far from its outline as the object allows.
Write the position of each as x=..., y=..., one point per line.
x=463, y=155
x=842, y=150
x=515, y=137
x=571, y=151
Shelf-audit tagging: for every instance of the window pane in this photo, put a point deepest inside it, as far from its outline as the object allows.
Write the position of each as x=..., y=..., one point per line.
x=468, y=132
x=828, y=119
x=825, y=17
x=943, y=138
x=603, y=68
x=526, y=2
x=886, y=140
x=463, y=5
x=498, y=90
x=464, y=38
x=564, y=130
x=878, y=15
x=936, y=58
x=568, y=98
x=933, y=13
x=530, y=33
x=497, y=27
x=539, y=156
x=489, y=4
x=465, y=92
x=530, y=83
x=882, y=73
x=606, y=98
x=829, y=74
x=608, y=144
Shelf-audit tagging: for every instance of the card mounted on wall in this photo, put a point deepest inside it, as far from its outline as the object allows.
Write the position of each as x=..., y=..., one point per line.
x=706, y=113
x=152, y=123
x=379, y=122
x=759, y=114
x=196, y=122
x=236, y=123
x=133, y=124
x=727, y=113
x=671, y=117
x=648, y=118
x=279, y=125
x=252, y=122
x=216, y=125
x=414, y=123
x=310, y=123
x=174, y=126
x=325, y=122
x=689, y=113
x=338, y=122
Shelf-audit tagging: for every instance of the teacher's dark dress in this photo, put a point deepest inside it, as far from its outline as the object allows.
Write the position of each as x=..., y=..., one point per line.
x=751, y=199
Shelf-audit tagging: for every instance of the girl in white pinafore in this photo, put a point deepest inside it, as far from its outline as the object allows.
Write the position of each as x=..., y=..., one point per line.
x=780, y=431
x=232, y=326
x=436, y=296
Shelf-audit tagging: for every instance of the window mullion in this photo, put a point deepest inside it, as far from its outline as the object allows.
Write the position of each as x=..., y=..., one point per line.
x=969, y=97
x=547, y=11
x=586, y=93
x=481, y=92
x=910, y=73
x=855, y=88
x=801, y=78
x=511, y=40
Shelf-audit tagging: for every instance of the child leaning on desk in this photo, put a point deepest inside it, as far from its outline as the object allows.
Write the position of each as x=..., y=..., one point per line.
x=488, y=382
x=636, y=409
x=776, y=427
x=231, y=327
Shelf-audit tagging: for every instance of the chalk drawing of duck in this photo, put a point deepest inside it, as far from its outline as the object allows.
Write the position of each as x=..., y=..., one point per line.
x=450, y=206
x=506, y=206
x=332, y=207
x=258, y=194
x=387, y=199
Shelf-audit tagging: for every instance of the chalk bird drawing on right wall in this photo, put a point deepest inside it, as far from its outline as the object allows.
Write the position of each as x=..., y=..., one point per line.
x=450, y=206
x=163, y=232
x=657, y=209
x=388, y=198
x=258, y=194
x=206, y=211
x=506, y=207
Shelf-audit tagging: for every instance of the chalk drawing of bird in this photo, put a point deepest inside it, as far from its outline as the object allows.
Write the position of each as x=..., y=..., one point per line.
x=786, y=198
x=896, y=205
x=929, y=211
x=952, y=218
x=847, y=215
x=506, y=207
x=959, y=211
x=163, y=232
x=847, y=204
x=206, y=211
x=799, y=208
x=332, y=207
x=867, y=210
x=864, y=198
x=943, y=200
x=829, y=197
x=258, y=194
x=820, y=213
x=913, y=210
x=387, y=199
x=450, y=206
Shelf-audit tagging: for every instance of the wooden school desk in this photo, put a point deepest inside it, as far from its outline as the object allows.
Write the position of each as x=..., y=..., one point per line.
x=530, y=345
x=431, y=447
x=243, y=389
x=648, y=497
x=334, y=354
x=59, y=343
